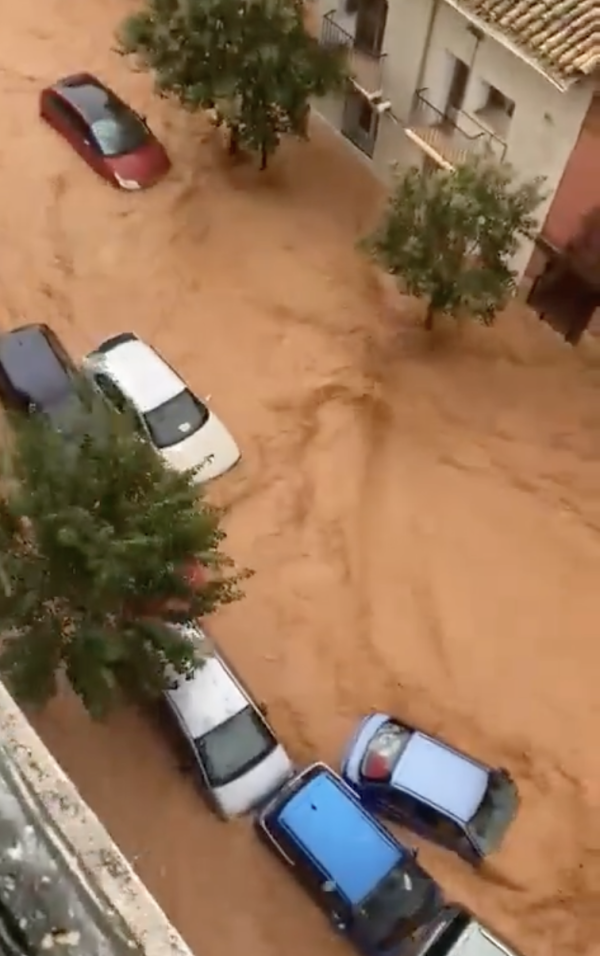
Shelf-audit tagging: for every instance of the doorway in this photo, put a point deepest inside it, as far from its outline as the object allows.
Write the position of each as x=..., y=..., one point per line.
x=360, y=123
x=371, y=18
x=564, y=299
x=458, y=88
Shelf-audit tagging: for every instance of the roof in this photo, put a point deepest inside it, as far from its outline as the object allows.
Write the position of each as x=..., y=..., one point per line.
x=345, y=840
x=562, y=35
x=33, y=367
x=87, y=95
x=479, y=941
x=209, y=698
x=142, y=375
x=441, y=777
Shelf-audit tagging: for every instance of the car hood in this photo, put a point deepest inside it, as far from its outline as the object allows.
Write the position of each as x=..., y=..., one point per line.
x=144, y=166
x=212, y=439
x=243, y=794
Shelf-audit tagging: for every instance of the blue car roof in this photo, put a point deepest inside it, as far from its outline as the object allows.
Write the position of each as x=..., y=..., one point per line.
x=441, y=777
x=343, y=838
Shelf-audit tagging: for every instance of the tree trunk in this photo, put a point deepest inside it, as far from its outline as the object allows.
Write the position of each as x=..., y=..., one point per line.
x=264, y=158
x=234, y=140
x=429, y=317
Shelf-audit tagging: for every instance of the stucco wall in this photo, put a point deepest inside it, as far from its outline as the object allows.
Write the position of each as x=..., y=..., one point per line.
x=61, y=876
x=545, y=124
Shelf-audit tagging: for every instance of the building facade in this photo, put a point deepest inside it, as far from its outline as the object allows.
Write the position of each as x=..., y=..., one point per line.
x=437, y=80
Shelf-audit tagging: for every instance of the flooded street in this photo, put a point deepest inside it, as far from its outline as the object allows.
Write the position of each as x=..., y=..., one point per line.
x=424, y=523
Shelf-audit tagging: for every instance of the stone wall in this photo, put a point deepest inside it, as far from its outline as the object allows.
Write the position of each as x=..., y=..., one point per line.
x=65, y=887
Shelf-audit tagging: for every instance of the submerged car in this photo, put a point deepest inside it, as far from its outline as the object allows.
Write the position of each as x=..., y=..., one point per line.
x=107, y=133
x=180, y=426
x=370, y=886
x=430, y=787
x=223, y=734
x=456, y=931
x=38, y=376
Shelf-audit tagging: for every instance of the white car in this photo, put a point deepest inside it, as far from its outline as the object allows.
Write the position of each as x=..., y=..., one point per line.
x=223, y=734
x=131, y=374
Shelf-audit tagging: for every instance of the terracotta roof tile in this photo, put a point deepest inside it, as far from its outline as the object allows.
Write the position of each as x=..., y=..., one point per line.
x=563, y=35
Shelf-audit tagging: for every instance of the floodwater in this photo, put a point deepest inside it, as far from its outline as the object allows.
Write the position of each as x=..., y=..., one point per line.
x=423, y=521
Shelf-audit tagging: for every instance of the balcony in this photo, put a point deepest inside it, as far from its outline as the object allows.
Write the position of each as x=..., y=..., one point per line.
x=451, y=140
x=366, y=67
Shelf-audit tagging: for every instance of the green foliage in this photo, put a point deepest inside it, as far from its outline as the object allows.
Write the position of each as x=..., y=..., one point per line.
x=253, y=61
x=450, y=236
x=94, y=532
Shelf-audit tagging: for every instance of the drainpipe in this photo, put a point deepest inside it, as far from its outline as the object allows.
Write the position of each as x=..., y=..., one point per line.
x=478, y=34
x=422, y=65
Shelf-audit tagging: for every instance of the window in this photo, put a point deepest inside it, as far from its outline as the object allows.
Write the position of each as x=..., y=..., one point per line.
x=112, y=392
x=398, y=906
x=497, y=809
x=496, y=109
x=69, y=117
x=444, y=942
x=119, y=131
x=234, y=748
x=176, y=420
x=360, y=122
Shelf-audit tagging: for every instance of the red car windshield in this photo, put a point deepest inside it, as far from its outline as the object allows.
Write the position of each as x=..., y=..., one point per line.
x=119, y=131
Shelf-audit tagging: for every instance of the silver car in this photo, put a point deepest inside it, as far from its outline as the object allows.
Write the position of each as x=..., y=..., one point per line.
x=226, y=739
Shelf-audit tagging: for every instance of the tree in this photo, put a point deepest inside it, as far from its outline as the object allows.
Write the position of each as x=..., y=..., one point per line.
x=450, y=236
x=97, y=541
x=251, y=61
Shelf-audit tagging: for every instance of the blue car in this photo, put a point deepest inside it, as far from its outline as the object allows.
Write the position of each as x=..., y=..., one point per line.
x=369, y=885
x=430, y=787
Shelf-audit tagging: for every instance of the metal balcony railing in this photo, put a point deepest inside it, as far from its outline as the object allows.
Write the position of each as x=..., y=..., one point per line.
x=454, y=136
x=366, y=67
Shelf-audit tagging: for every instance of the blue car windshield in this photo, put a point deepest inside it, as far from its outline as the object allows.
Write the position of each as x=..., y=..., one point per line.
x=406, y=898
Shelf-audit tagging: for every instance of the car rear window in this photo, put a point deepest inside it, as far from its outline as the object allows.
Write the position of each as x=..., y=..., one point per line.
x=405, y=899
x=441, y=943
x=176, y=420
x=233, y=749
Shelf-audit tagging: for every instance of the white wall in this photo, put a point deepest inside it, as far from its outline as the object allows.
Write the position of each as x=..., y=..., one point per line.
x=545, y=124
x=404, y=43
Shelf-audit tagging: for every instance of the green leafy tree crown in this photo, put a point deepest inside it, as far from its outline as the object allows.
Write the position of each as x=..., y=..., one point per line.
x=253, y=61
x=98, y=541
x=450, y=236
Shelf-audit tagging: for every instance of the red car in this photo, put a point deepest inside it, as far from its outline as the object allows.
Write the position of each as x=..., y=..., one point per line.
x=111, y=137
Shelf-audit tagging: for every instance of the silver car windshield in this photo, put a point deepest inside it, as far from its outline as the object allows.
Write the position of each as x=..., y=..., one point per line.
x=176, y=420
x=234, y=748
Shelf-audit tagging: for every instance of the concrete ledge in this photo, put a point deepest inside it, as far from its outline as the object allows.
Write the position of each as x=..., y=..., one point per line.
x=65, y=883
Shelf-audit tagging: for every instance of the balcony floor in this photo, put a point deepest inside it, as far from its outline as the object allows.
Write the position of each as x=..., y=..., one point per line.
x=440, y=144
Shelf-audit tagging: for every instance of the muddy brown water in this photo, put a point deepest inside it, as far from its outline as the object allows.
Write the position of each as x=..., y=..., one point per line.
x=423, y=521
